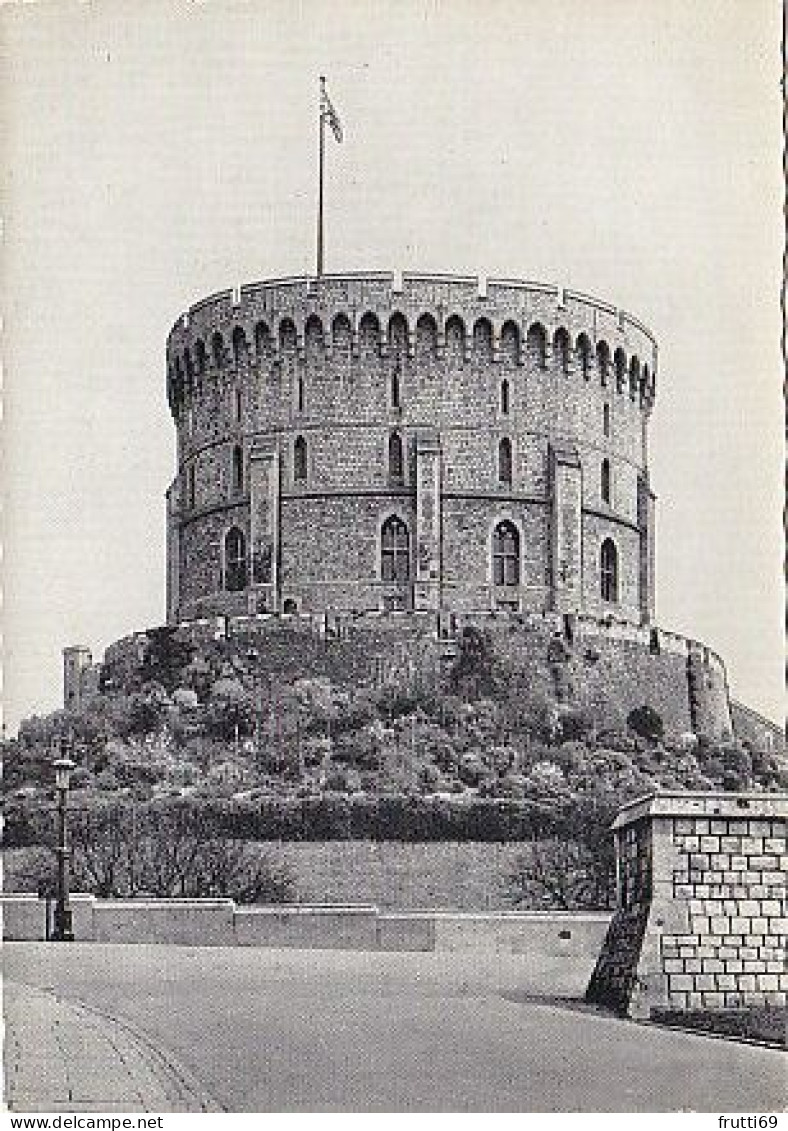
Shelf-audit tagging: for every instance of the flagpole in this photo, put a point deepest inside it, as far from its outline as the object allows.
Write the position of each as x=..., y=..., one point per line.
x=320, y=180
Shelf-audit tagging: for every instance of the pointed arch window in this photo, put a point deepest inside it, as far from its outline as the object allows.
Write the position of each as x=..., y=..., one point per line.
x=299, y=460
x=605, y=483
x=300, y=397
x=217, y=348
x=506, y=554
x=234, y=560
x=505, y=462
x=606, y=419
x=505, y=398
x=608, y=571
x=396, y=458
x=394, y=551
x=238, y=469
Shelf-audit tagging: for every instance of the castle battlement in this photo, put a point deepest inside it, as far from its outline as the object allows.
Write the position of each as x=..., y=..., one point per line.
x=255, y=321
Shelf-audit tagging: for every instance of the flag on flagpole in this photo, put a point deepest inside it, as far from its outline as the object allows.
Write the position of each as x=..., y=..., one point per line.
x=328, y=113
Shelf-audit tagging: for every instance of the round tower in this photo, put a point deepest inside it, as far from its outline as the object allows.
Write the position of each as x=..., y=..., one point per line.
x=372, y=443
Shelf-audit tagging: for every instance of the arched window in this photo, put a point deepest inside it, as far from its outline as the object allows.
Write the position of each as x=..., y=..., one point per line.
x=262, y=340
x=536, y=344
x=561, y=349
x=299, y=460
x=188, y=364
x=505, y=462
x=644, y=382
x=240, y=345
x=603, y=361
x=238, y=406
x=605, y=481
x=455, y=340
x=510, y=344
x=583, y=349
x=634, y=378
x=342, y=335
x=608, y=571
x=426, y=336
x=505, y=398
x=369, y=335
x=606, y=419
x=217, y=348
x=313, y=336
x=238, y=469
x=620, y=360
x=234, y=560
x=394, y=550
x=482, y=340
x=288, y=336
x=506, y=554
x=300, y=400
x=398, y=335
x=396, y=458
x=396, y=389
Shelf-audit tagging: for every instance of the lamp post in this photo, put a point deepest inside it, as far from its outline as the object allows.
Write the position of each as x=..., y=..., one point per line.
x=63, y=766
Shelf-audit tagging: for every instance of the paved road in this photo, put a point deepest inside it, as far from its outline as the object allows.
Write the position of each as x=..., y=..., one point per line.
x=266, y=1030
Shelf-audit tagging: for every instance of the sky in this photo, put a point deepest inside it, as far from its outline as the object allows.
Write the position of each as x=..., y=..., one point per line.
x=155, y=153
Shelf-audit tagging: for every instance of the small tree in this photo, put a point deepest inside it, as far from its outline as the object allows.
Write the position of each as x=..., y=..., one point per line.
x=476, y=671
x=166, y=655
x=646, y=723
x=169, y=850
x=556, y=873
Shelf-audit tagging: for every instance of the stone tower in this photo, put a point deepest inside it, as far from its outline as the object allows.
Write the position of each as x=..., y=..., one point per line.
x=380, y=444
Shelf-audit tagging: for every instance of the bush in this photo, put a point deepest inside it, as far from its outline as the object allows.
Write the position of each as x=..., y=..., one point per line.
x=646, y=723
x=560, y=874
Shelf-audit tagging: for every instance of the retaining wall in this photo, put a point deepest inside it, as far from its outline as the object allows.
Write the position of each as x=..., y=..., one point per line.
x=574, y=936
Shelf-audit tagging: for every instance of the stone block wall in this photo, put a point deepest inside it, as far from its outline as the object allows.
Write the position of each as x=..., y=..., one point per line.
x=316, y=362
x=701, y=922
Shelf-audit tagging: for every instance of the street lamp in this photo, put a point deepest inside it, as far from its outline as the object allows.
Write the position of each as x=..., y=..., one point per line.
x=63, y=766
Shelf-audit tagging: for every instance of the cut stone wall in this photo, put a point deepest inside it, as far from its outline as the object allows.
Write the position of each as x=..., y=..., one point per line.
x=701, y=919
x=315, y=362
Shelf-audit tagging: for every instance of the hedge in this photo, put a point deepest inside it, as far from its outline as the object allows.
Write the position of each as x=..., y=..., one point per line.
x=330, y=816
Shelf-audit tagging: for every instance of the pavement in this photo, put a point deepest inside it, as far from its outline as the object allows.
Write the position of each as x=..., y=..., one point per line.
x=63, y=1056
x=164, y=1028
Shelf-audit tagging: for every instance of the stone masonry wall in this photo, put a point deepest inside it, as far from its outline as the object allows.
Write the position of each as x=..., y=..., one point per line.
x=315, y=363
x=701, y=922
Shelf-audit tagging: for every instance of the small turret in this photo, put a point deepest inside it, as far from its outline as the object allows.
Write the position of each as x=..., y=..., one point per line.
x=77, y=660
